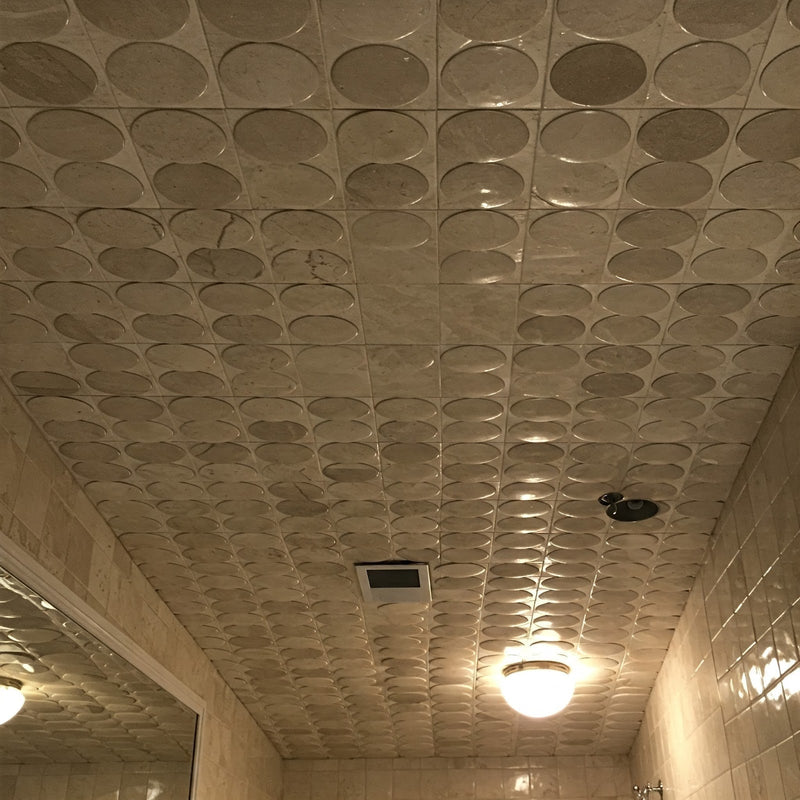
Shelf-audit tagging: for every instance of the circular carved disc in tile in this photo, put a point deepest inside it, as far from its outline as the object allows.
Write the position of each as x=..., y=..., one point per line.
x=788, y=266
x=618, y=359
x=157, y=74
x=236, y=298
x=33, y=21
x=774, y=136
x=246, y=19
x=729, y=265
x=379, y=75
x=608, y=19
x=180, y=356
x=301, y=229
x=88, y=327
x=75, y=135
x=376, y=21
x=20, y=187
x=775, y=330
x=479, y=230
x=706, y=329
x=120, y=227
x=688, y=384
x=9, y=140
x=765, y=358
x=555, y=299
x=247, y=328
x=323, y=330
x=317, y=299
x=702, y=73
x=656, y=228
x=633, y=299
x=763, y=184
x=95, y=183
x=157, y=298
x=52, y=263
x=385, y=186
x=552, y=358
x=391, y=230
x=280, y=137
x=34, y=227
x=684, y=134
x=197, y=185
x=551, y=329
x=299, y=185
x=782, y=300
x=498, y=22
x=136, y=19
x=103, y=356
x=722, y=19
x=647, y=265
x=626, y=330
x=598, y=74
x=566, y=184
x=382, y=137
x=569, y=230
x=585, y=135
x=606, y=384
x=690, y=358
x=173, y=328
x=669, y=184
x=212, y=228
x=482, y=136
x=743, y=228
x=269, y=74
x=46, y=74
x=304, y=266
x=175, y=135
x=469, y=266
x=481, y=186
x=489, y=75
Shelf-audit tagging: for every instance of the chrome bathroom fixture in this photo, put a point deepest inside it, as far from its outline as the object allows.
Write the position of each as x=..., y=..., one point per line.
x=643, y=793
x=621, y=510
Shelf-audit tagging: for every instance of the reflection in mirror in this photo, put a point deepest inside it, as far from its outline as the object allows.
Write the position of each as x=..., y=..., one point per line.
x=92, y=726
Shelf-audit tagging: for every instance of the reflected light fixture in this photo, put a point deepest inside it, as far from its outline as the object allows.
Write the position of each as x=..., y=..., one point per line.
x=11, y=698
x=537, y=688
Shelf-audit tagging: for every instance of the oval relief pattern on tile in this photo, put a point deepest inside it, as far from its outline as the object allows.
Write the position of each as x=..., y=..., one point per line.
x=269, y=74
x=157, y=74
x=379, y=75
x=489, y=75
x=175, y=135
x=131, y=19
x=598, y=74
x=75, y=135
x=702, y=73
x=47, y=74
x=361, y=361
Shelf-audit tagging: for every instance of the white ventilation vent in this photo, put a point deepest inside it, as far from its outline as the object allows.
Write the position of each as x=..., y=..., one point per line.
x=395, y=582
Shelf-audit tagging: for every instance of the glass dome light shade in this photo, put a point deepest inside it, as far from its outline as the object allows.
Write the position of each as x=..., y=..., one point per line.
x=537, y=688
x=11, y=698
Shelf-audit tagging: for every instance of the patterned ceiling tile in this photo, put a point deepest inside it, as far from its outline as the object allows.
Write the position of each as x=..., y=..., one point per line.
x=357, y=281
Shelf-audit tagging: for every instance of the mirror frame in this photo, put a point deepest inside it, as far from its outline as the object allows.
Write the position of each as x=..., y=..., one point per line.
x=30, y=572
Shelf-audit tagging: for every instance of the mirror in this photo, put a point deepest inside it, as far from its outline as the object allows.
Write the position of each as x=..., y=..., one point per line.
x=93, y=727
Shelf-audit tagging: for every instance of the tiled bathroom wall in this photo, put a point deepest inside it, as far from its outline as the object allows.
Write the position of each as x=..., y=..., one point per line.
x=723, y=722
x=114, y=781
x=523, y=778
x=45, y=512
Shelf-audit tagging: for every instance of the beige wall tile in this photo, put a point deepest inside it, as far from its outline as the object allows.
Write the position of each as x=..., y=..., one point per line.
x=726, y=725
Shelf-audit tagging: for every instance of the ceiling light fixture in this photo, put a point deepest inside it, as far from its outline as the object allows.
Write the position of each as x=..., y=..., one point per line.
x=537, y=688
x=627, y=510
x=11, y=698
